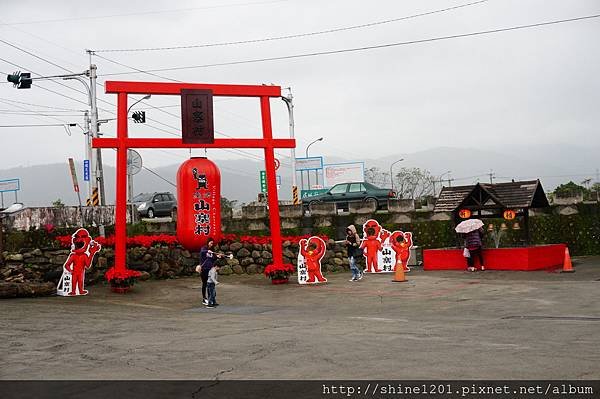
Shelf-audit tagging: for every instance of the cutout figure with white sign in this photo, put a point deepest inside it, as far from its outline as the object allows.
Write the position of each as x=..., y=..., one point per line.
x=383, y=250
x=83, y=250
x=309, y=261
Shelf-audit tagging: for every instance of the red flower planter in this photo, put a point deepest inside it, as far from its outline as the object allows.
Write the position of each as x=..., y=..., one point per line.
x=280, y=280
x=120, y=290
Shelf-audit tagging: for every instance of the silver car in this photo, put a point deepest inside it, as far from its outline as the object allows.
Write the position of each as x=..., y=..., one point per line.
x=155, y=204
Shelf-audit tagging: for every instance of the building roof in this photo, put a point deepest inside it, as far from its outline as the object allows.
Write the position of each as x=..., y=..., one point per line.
x=520, y=194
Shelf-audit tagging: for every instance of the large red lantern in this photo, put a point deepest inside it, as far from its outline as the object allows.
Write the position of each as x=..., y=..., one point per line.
x=198, y=203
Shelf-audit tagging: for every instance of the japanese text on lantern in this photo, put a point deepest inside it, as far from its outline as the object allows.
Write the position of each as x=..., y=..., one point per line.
x=197, y=117
x=201, y=203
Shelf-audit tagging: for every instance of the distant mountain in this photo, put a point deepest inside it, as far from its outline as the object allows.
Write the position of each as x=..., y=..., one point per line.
x=43, y=184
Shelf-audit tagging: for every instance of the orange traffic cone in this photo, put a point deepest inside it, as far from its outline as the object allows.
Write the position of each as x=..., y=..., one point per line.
x=399, y=274
x=567, y=265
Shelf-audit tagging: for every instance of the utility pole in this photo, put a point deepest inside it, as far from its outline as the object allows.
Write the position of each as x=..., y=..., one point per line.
x=491, y=176
x=290, y=106
x=88, y=150
x=97, y=168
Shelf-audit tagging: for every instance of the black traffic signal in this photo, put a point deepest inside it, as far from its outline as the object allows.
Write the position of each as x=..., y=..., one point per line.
x=139, y=117
x=20, y=80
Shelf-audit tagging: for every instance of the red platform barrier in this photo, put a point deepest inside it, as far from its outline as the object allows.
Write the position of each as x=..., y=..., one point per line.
x=540, y=257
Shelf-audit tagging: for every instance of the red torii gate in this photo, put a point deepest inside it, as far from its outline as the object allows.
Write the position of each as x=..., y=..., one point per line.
x=122, y=143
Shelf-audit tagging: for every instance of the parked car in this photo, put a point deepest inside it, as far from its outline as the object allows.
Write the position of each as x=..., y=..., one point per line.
x=155, y=204
x=343, y=193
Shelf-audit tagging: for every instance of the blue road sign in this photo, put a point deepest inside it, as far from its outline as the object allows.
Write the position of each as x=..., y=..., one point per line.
x=86, y=170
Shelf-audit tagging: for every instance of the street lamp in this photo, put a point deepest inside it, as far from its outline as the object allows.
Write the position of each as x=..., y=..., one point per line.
x=308, y=171
x=311, y=143
x=391, y=175
x=290, y=107
x=146, y=97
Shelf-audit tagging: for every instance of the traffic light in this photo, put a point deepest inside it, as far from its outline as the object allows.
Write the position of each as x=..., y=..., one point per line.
x=139, y=117
x=20, y=80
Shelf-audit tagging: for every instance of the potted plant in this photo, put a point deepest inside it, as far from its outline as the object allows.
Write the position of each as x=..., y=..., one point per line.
x=279, y=274
x=121, y=280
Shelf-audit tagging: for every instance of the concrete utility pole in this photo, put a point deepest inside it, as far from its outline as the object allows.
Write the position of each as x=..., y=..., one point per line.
x=98, y=171
x=88, y=149
x=97, y=180
x=491, y=176
x=290, y=107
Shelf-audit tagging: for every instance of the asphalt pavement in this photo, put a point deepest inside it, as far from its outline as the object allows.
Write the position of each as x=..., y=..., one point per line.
x=438, y=325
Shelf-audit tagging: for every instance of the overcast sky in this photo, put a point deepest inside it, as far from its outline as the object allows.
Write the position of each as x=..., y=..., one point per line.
x=520, y=87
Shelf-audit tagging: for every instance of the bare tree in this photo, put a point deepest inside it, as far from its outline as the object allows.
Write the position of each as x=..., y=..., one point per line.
x=376, y=176
x=413, y=183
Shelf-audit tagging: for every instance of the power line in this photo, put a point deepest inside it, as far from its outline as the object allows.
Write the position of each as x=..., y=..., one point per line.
x=306, y=34
x=35, y=116
x=142, y=13
x=34, y=125
x=33, y=55
x=4, y=100
x=28, y=113
x=59, y=83
x=159, y=176
x=234, y=151
x=357, y=49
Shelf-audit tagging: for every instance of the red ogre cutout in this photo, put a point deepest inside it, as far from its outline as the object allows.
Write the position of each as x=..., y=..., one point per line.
x=83, y=249
x=401, y=244
x=313, y=251
x=371, y=244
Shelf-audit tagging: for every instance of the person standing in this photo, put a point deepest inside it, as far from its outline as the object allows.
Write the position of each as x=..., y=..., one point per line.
x=212, y=286
x=353, y=247
x=207, y=261
x=474, y=245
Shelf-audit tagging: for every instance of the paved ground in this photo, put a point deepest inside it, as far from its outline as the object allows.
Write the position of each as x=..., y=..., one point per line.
x=454, y=325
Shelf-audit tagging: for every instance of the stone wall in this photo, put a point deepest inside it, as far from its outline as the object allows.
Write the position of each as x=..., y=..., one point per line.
x=64, y=216
x=41, y=268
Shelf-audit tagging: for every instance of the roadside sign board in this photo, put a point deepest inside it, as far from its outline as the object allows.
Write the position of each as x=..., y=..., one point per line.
x=73, y=175
x=263, y=181
x=10, y=185
x=310, y=163
x=86, y=170
x=343, y=173
x=304, y=194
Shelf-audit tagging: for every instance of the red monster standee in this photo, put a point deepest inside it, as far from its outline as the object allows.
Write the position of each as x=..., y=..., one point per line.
x=309, y=261
x=371, y=245
x=83, y=249
x=401, y=243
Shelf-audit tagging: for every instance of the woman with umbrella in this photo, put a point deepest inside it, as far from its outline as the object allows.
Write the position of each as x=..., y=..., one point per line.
x=473, y=231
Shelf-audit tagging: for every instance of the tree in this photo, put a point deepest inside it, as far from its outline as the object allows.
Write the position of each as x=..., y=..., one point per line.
x=58, y=204
x=227, y=205
x=376, y=176
x=413, y=183
x=570, y=189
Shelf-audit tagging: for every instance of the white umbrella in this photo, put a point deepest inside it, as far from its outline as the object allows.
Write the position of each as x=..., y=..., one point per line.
x=468, y=226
